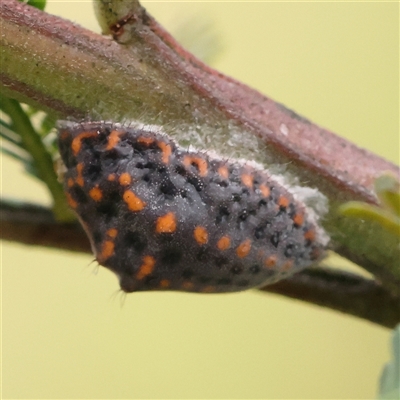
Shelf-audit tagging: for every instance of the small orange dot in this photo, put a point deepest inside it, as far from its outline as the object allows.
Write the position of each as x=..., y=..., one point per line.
x=166, y=223
x=298, y=219
x=77, y=141
x=146, y=268
x=224, y=243
x=247, y=180
x=96, y=194
x=112, y=233
x=166, y=151
x=79, y=179
x=283, y=202
x=125, y=179
x=208, y=289
x=71, y=201
x=70, y=182
x=310, y=235
x=113, y=139
x=107, y=250
x=271, y=261
x=164, y=283
x=200, y=164
x=64, y=135
x=187, y=285
x=265, y=191
x=244, y=248
x=145, y=140
x=201, y=235
x=134, y=203
x=223, y=171
x=111, y=177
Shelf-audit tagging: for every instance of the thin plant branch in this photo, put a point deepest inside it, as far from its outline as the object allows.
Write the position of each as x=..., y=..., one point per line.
x=342, y=291
x=33, y=224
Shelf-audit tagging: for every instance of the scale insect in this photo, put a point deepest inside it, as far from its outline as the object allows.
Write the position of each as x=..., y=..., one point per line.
x=165, y=218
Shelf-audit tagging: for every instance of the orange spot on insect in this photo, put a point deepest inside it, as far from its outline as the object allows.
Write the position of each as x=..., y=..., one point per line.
x=166, y=151
x=70, y=182
x=112, y=233
x=64, y=135
x=298, y=219
x=72, y=203
x=125, y=179
x=247, y=180
x=310, y=235
x=166, y=223
x=113, y=139
x=164, y=283
x=201, y=235
x=198, y=162
x=77, y=141
x=223, y=172
x=224, y=243
x=147, y=267
x=208, y=289
x=283, y=202
x=288, y=265
x=134, y=203
x=107, y=250
x=264, y=189
x=244, y=248
x=79, y=179
x=271, y=261
x=111, y=177
x=187, y=285
x=145, y=140
x=96, y=194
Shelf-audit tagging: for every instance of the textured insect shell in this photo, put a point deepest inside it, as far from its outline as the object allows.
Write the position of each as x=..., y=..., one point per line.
x=164, y=218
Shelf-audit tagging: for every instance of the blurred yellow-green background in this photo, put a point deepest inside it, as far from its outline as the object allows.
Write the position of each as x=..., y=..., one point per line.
x=65, y=333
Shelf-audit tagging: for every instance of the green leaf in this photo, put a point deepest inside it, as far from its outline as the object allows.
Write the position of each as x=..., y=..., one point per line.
x=22, y=131
x=389, y=385
x=387, y=215
x=8, y=135
x=387, y=187
x=361, y=210
x=40, y=4
x=15, y=156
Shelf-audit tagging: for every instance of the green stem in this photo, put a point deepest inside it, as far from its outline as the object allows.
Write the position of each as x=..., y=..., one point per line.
x=42, y=160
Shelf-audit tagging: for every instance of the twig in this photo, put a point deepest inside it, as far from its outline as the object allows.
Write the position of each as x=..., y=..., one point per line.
x=35, y=225
x=342, y=291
